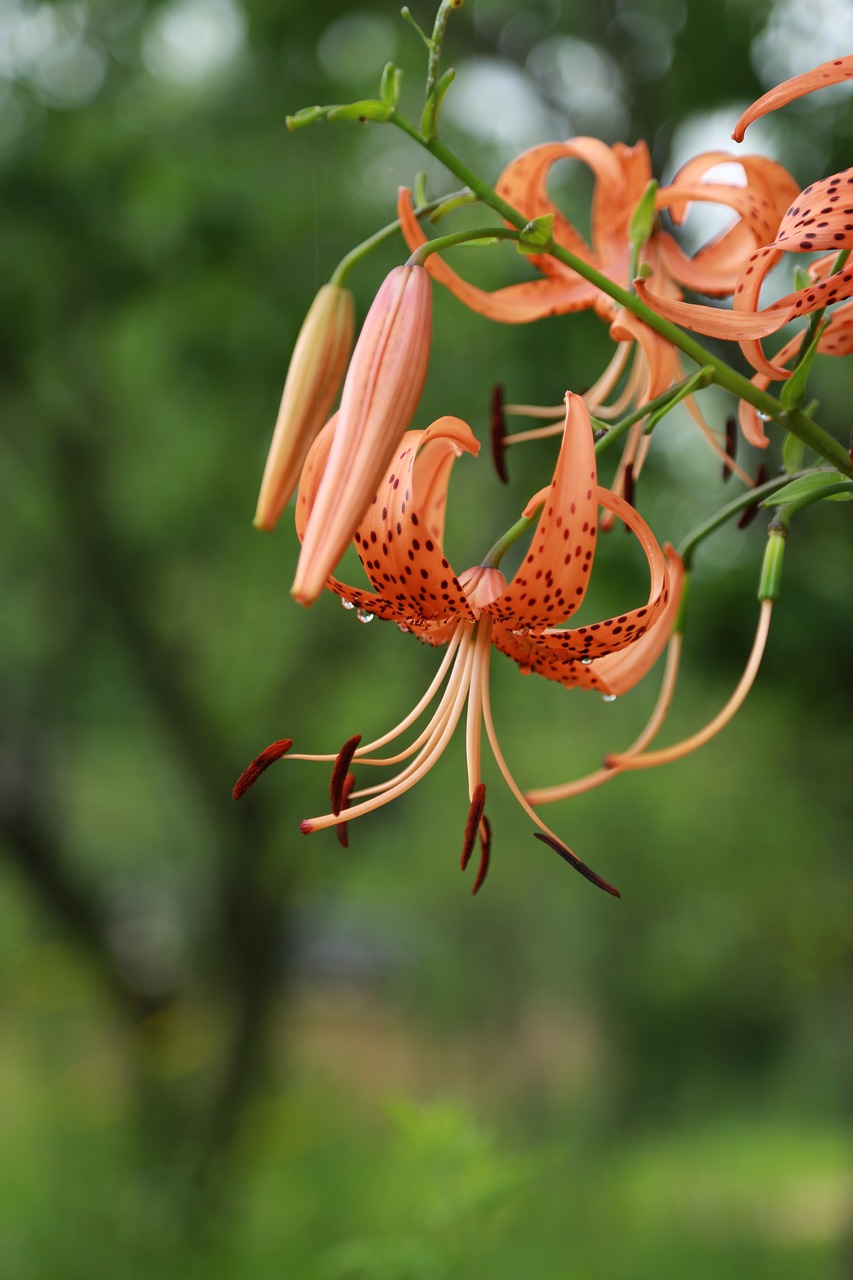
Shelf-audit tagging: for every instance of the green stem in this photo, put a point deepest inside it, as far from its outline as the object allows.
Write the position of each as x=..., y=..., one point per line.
x=733, y=508
x=673, y=393
x=460, y=237
x=441, y=206
x=493, y=558
x=795, y=421
x=437, y=42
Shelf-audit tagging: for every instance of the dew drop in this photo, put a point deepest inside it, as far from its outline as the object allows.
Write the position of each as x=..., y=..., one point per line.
x=364, y=616
x=401, y=626
x=608, y=697
x=347, y=604
x=765, y=417
x=586, y=662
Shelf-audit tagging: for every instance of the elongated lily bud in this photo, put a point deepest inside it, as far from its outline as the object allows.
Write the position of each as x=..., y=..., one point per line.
x=381, y=391
x=315, y=373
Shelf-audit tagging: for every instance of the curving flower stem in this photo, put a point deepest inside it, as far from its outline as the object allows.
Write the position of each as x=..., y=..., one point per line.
x=440, y=206
x=419, y=256
x=796, y=422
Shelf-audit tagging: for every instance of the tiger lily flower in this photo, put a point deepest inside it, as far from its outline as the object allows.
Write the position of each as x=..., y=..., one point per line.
x=622, y=175
x=819, y=220
x=382, y=387
x=399, y=543
x=313, y=380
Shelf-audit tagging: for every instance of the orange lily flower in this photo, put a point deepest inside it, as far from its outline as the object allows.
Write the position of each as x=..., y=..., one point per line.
x=399, y=544
x=622, y=174
x=820, y=219
x=382, y=387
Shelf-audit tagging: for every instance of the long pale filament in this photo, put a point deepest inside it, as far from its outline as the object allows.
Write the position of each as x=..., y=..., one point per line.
x=679, y=749
x=547, y=795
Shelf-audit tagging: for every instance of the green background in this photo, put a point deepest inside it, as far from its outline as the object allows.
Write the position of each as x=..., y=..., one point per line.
x=231, y=1050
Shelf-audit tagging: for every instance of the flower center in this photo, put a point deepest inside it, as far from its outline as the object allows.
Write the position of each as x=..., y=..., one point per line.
x=482, y=585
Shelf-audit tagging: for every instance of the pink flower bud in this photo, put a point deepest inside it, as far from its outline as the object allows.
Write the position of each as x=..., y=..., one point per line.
x=381, y=391
x=313, y=378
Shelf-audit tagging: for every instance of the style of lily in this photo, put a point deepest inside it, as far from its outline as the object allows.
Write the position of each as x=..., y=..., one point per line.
x=819, y=219
x=399, y=543
x=622, y=177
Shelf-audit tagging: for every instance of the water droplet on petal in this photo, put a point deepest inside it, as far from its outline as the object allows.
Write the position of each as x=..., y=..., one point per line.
x=364, y=616
x=401, y=626
x=608, y=697
x=586, y=662
x=347, y=604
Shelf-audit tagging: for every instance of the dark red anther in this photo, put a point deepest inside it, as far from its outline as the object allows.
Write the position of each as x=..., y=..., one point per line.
x=485, y=853
x=628, y=486
x=575, y=862
x=268, y=756
x=339, y=773
x=475, y=813
x=731, y=445
x=346, y=789
x=498, y=433
x=752, y=511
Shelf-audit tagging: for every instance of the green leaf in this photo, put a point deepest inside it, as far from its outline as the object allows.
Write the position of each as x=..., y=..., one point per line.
x=816, y=487
x=643, y=218
x=429, y=119
x=792, y=454
x=368, y=109
x=537, y=236
x=791, y=395
x=389, y=85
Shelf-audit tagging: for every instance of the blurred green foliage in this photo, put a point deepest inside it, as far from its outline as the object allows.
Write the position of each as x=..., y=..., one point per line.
x=228, y=1050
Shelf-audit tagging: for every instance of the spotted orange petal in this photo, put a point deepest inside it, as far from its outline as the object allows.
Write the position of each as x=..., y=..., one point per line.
x=571, y=656
x=403, y=560
x=818, y=78
x=551, y=581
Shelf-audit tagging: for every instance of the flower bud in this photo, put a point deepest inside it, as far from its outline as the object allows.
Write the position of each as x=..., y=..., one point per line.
x=381, y=391
x=313, y=378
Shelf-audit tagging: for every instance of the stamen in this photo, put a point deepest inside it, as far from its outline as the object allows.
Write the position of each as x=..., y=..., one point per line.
x=498, y=433
x=628, y=484
x=731, y=446
x=598, y=393
x=444, y=723
x=546, y=795
x=343, y=761
x=549, y=836
x=343, y=827
x=679, y=749
x=575, y=862
x=485, y=855
x=475, y=814
x=750, y=513
x=252, y=772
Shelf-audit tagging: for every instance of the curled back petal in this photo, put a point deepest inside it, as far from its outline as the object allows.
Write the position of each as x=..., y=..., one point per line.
x=818, y=78
x=820, y=217
x=620, y=671
x=737, y=325
x=551, y=581
x=515, y=303
x=571, y=656
x=403, y=559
